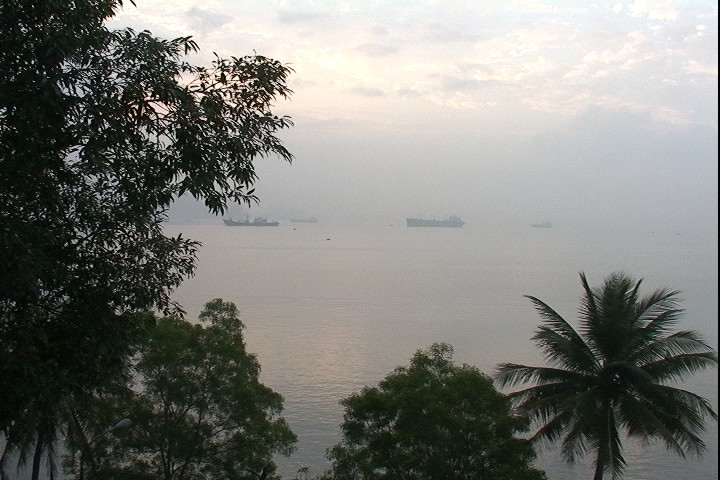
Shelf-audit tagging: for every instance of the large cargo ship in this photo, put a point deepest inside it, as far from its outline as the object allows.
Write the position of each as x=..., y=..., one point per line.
x=257, y=222
x=453, y=221
x=541, y=225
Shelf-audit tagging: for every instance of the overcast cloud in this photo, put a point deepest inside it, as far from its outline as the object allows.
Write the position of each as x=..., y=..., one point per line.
x=597, y=115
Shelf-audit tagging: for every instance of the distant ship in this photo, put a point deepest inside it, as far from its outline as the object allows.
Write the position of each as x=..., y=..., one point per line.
x=541, y=225
x=257, y=222
x=304, y=220
x=453, y=221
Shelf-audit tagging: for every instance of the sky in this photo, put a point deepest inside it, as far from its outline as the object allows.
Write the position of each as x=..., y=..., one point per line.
x=587, y=115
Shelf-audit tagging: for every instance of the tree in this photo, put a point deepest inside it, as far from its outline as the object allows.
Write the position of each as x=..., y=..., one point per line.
x=197, y=407
x=613, y=374
x=99, y=132
x=431, y=420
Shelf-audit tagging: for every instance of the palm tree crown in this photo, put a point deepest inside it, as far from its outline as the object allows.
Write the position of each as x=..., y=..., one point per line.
x=611, y=376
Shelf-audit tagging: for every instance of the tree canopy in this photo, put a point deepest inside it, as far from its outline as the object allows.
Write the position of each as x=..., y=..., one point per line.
x=197, y=407
x=614, y=375
x=432, y=420
x=100, y=131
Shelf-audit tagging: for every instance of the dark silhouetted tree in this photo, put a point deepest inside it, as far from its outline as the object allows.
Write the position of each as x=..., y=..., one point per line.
x=100, y=131
x=432, y=420
x=197, y=407
x=614, y=375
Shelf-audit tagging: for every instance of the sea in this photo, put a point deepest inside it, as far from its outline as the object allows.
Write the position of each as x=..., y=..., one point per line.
x=329, y=309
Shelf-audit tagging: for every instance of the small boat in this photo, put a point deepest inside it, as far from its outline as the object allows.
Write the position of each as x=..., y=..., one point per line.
x=257, y=222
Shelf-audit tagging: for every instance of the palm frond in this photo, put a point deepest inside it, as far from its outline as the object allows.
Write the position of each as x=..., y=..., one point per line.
x=640, y=420
x=575, y=443
x=658, y=302
x=685, y=341
x=649, y=342
x=588, y=307
x=681, y=403
x=678, y=367
x=552, y=430
x=608, y=326
x=559, y=340
x=584, y=427
x=563, y=351
x=541, y=404
x=682, y=416
x=508, y=374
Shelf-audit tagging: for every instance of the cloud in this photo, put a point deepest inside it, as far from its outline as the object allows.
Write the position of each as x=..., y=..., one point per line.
x=439, y=59
x=205, y=20
x=297, y=16
x=438, y=33
x=377, y=50
x=627, y=50
x=407, y=93
x=459, y=83
x=368, y=91
x=653, y=10
x=693, y=66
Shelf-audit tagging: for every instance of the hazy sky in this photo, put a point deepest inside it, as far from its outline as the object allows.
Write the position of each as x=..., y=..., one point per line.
x=574, y=112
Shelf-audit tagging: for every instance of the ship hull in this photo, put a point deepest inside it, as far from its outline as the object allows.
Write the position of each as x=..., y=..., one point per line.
x=233, y=223
x=420, y=222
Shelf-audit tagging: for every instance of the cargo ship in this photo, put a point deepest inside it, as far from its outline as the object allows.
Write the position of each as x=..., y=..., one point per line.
x=452, y=221
x=541, y=225
x=257, y=222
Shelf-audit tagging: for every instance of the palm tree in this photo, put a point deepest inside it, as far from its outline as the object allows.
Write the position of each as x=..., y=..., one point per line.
x=611, y=376
x=35, y=436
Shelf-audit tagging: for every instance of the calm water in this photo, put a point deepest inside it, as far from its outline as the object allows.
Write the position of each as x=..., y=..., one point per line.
x=330, y=309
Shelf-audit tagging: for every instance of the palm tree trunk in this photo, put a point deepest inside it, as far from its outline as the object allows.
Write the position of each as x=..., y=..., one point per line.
x=37, y=457
x=598, y=470
x=600, y=460
x=4, y=460
x=604, y=451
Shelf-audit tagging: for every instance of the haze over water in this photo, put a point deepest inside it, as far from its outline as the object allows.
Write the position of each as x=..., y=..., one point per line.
x=330, y=309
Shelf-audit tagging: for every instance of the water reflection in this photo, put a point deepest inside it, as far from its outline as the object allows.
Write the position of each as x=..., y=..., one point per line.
x=329, y=317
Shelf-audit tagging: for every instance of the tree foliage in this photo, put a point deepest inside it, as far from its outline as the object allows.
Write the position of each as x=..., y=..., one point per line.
x=99, y=131
x=197, y=407
x=614, y=375
x=432, y=420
